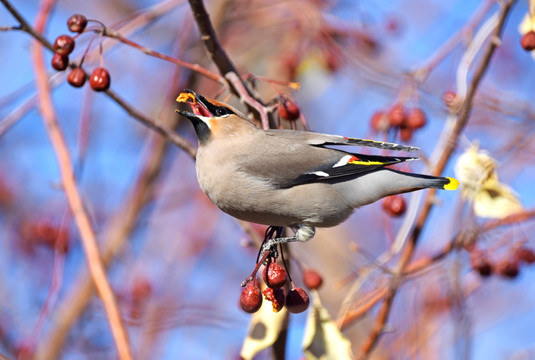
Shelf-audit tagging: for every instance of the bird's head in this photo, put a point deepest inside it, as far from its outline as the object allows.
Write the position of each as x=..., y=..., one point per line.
x=211, y=118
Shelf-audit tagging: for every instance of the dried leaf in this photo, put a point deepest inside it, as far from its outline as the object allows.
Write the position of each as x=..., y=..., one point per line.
x=496, y=200
x=264, y=329
x=323, y=340
x=476, y=171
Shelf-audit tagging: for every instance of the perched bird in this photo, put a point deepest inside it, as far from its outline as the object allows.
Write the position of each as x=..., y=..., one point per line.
x=288, y=177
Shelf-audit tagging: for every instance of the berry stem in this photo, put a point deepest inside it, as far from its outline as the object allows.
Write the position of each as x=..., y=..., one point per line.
x=257, y=267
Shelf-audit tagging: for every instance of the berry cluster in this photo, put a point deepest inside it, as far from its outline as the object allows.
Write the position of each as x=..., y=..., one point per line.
x=275, y=277
x=508, y=267
x=399, y=118
x=63, y=47
x=45, y=233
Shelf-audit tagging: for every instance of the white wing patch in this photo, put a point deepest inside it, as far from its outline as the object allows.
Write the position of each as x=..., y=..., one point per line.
x=343, y=161
x=320, y=173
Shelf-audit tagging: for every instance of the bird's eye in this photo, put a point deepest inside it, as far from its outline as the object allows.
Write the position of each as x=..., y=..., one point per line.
x=222, y=111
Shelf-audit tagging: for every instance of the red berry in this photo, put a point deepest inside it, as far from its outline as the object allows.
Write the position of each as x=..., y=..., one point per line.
x=251, y=297
x=297, y=300
x=525, y=254
x=276, y=296
x=416, y=119
x=379, y=122
x=77, y=23
x=405, y=133
x=45, y=233
x=60, y=62
x=288, y=109
x=508, y=268
x=394, y=205
x=481, y=263
x=312, y=279
x=76, y=77
x=64, y=45
x=100, y=79
x=528, y=41
x=141, y=289
x=274, y=275
x=397, y=115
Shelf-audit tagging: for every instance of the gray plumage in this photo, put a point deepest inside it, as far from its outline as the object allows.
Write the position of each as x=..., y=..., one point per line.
x=287, y=177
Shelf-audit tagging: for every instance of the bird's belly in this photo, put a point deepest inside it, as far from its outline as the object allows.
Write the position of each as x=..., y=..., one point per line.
x=257, y=201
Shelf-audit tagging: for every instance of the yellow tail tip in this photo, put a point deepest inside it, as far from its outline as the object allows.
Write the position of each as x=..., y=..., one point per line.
x=452, y=185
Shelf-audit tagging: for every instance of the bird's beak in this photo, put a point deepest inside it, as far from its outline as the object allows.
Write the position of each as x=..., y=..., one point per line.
x=198, y=104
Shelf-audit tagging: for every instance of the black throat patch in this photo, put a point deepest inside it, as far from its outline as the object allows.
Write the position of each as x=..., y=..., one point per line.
x=202, y=130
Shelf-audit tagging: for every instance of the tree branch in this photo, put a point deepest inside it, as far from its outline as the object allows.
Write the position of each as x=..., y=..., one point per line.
x=87, y=233
x=226, y=67
x=447, y=151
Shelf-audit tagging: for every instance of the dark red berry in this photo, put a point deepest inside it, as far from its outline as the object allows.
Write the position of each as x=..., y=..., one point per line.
x=251, y=297
x=76, y=77
x=397, y=115
x=100, y=79
x=379, y=122
x=64, y=45
x=288, y=109
x=394, y=205
x=60, y=62
x=276, y=296
x=275, y=276
x=481, y=263
x=77, y=23
x=416, y=119
x=312, y=279
x=525, y=254
x=297, y=300
x=528, y=41
x=508, y=268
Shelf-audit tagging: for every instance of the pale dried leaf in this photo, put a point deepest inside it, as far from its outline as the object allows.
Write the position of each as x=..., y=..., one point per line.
x=323, y=340
x=264, y=329
x=477, y=173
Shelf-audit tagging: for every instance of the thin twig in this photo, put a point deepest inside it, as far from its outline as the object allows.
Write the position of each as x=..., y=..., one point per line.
x=194, y=67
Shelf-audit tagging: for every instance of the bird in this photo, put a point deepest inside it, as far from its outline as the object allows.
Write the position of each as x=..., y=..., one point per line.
x=291, y=178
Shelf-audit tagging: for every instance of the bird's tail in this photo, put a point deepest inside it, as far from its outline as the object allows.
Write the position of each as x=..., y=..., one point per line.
x=443, y=183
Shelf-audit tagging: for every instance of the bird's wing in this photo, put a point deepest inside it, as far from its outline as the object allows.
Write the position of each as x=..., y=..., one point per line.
x=348, y=165
x=319, y=139
x=290, y=158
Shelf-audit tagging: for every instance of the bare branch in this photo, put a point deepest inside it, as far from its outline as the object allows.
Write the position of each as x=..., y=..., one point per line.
x=445, y=156
x=87, y=233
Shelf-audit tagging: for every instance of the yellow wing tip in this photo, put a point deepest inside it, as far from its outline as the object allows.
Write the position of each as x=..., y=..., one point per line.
x=452, y=185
